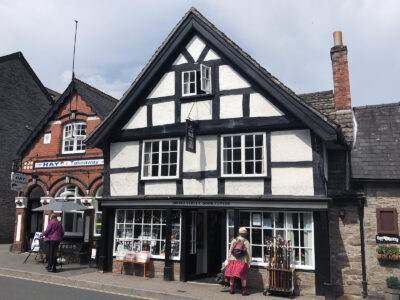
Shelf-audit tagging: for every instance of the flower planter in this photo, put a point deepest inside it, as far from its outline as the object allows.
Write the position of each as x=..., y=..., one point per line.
x=395, y=257
x=392, y=294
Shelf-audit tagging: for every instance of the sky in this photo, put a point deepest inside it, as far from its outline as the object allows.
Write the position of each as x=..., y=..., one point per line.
x=291, y=39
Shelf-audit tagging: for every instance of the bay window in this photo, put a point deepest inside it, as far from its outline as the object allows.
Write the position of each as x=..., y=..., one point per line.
x=264, y=227
x=243, y=155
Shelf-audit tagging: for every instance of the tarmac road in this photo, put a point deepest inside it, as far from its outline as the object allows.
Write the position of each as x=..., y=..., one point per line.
x=19, y=288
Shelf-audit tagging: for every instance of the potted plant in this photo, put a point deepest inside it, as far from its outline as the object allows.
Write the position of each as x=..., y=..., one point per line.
x=387, y=252
x=392, y=292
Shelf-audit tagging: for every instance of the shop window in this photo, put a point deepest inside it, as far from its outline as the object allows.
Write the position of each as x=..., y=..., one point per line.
x=196, y=82
x=160, y=159
x=74, y=135
x=243, y=155
x=144, y=230
x=264, y=227
x=386, y=219
x=72, y=221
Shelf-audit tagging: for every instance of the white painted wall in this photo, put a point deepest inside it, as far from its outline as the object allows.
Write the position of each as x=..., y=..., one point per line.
x=202, y=110
x=205, y=158
x=165, y=87
x=160, y=188
x=124, y=184
x=244, y=186
x=124, y=154
x=138, y=120
x=229, y=79
x=211, y=55
x=291, y=145
x=231, y=106
x=19, y=222
x=261, y=107
x=292, y=181
x=207, y=186
x=163, y=113
x=195, y=47
x=180, y=60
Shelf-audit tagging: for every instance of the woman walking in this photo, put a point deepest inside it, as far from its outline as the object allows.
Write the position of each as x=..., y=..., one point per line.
x=239, y=261
x=54, y=234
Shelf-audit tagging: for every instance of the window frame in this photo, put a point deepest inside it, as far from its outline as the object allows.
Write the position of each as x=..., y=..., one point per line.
x=178, y=149
x=243, y=160
x=189, y=83
x=285, y=228
x=72, y=137
x=204, y=79
x=97, y=212
x=379, y=229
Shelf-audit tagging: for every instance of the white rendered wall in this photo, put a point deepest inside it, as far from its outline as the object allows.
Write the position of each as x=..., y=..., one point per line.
x=163, y=113
x=124, y=154
x=18, y=235
x=205, y=158
x=244, y=186
x=207, y=186
x=211, y=55
x=180, y=60
x=195, y=47
x=229, y=79
x=291, y=145
x=160, y=188
x=261, y=107
x=165, y=87
x=231, y=106
x=124, y=184
x=138, y=120
x=292, y=181
x=201, y=110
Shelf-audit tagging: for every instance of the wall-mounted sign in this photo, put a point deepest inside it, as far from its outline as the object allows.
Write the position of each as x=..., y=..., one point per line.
x=190, y=136
x=19, y=182
x=386, y=239
x=69, y=163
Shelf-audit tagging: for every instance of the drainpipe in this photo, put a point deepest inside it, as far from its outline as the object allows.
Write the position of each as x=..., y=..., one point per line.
x=361, y=203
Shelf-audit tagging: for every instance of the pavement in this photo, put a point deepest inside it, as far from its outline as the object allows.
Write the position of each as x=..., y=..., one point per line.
x=77, y=276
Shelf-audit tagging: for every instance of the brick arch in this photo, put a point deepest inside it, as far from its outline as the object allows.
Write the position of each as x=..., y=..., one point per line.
x=95, y=184
x=31, y=186
x=59, y=183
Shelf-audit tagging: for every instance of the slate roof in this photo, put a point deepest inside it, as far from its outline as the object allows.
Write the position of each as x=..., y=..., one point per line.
x=377, y=149
x=54, y=95
x=193, y=11
x=98, y=101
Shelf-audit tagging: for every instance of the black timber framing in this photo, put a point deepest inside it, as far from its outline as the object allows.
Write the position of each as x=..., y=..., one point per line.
x=194, y=24
x=318, y=165
x=185, y=243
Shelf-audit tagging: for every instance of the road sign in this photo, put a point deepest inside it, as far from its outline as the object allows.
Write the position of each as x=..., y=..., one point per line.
x=19, y=182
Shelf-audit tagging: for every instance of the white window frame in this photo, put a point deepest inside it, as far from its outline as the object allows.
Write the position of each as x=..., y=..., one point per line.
x=75, y=199
x=243, y=161
x=47, y=138
x=189, y=83
x=160, y=159
x=69, y=135
x=205, y=81
x=142, y=224
x=193, y=233
x=99, y=195
x=260, y=261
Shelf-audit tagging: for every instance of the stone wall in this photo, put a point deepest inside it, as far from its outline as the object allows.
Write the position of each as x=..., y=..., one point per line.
x=378, y=196
x=345, y=247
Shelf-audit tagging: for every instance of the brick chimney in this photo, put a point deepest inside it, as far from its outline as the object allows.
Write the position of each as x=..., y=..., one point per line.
x=340, y=73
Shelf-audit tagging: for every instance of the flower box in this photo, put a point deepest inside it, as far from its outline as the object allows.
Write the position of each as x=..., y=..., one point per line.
x=394, y=257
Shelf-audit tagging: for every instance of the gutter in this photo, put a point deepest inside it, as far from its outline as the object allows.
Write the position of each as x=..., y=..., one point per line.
x=361, y=203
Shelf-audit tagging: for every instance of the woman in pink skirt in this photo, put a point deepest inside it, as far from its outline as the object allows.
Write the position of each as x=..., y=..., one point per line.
x=239, y=260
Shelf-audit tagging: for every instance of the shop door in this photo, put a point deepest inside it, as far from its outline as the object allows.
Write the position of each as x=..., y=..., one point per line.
x=192, y=249
x=214, y=241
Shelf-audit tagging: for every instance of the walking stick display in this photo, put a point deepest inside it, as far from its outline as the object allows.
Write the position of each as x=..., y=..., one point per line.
x=280, y=274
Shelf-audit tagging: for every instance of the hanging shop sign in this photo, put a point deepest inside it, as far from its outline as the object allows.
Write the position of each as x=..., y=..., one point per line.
x=19, y=182
x=69, y=163
x=190, y=136
x=386, y=239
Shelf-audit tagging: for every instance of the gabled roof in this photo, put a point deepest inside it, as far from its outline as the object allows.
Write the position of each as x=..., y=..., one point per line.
x=193, y=21
x=376, y=155
x=54, y=95
x=20, y=56
x=98, y=101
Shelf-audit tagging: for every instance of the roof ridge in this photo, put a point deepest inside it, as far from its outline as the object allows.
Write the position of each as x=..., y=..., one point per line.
x=101, y=93
x=318, y=92
x=376, y=105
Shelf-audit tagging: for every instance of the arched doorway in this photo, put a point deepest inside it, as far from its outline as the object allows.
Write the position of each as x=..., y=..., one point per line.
x=34, y=219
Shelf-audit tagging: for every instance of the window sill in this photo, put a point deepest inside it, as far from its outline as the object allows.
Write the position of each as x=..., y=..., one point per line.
x=245, y=177
x=159, y=179
x=71, y=154
x=190, y=98
x=265, y=265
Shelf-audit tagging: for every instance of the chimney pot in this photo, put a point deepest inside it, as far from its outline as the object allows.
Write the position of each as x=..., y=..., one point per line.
x=337, y=38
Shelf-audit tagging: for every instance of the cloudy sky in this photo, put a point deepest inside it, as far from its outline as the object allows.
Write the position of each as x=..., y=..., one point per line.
x=291, y=39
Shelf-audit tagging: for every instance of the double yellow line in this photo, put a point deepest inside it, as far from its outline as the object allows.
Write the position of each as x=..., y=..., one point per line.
x=76, y=287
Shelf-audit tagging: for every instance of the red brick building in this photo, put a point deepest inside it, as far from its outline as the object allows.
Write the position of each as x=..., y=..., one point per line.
x=59, y=166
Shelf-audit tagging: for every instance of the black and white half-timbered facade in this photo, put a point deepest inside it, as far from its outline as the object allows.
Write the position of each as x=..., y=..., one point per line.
x=206, y=141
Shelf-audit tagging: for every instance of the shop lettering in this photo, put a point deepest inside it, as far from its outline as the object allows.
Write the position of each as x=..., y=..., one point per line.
x=201, y=203
x=69, y=163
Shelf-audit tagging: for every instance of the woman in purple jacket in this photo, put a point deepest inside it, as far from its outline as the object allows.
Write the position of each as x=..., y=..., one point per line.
x=54, y=234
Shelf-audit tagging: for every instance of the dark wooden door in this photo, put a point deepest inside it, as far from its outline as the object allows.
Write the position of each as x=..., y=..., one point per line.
x=214, y=241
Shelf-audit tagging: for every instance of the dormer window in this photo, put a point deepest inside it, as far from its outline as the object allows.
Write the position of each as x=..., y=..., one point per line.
x=74, y=135
x=196, y=82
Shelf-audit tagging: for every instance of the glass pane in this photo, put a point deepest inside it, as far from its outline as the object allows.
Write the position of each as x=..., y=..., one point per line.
x=237, y=154
x=185, y=76
x=174, y=145
x=175, y=218
x=259, y=167
x=165, y=146
x=156, y=217
x=259, y=139
x=155, y=248
x=256, y=218
x=147, y=217
x=258, y=152
x=146, y=170
x=280, y=234
x=267, y=220
x=138, y=231
x=230, y=233
x=147, y=147
x=173, y=157
x=236, y=141
x=164, y=170
x=120, y=231
x=228, y=168
x=163, y=232
x=175, y=235
x=256, y=252
x=256, y=236
x=230, y=218
x=192, y=88
x=129, y=231
x=118, y=245
x=154, y=171
x=307, y=220
x=175, y=248
x=279, y=219
x=237, y=168
x=249, y=154
x=268, y=236
x=308, y=257
x=192, y=75
x=292, y=220
x=294, y=238
x=154, y=158
x=185, y=89
x=156, y=146
x=138, y=216
x=165, y=158
x=120, y=216
x=146, y=158
x=308, y=238
x=227, y=142
x=248, y=141
x=128, y=245
x=129, y=216
x=162, y=248
x=244, y=218
x=249, y=168
x=156, y=233
x=172, y=170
